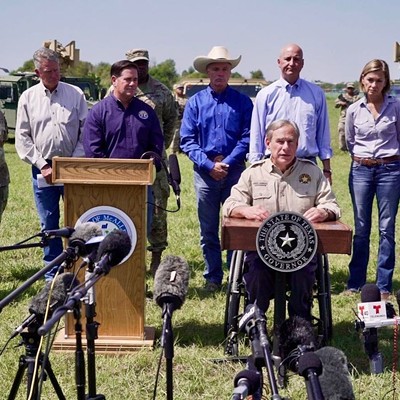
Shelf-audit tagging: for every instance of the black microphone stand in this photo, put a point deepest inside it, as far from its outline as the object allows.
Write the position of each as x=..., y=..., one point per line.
x=167, y=343
x=265, y=346
x=31, y=341
x=91, y=335
x=73, y=303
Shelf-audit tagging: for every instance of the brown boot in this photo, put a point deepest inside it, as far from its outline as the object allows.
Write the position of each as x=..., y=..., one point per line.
x=155, y=261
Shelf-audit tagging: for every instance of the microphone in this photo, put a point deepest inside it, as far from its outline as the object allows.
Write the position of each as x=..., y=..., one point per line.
x=296, y=335
x=175, y=174
x=83, y=233
x=370, y=293
x=310, y=367
x=372, y=308
x=246, y=382
x=335, y=378
x=54, y=233
x=171, y=282
x=63, y=283
x=85, y=240
x=112, y=250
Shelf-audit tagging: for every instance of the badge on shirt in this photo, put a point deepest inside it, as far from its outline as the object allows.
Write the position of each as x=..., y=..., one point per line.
x=143, y=114
x=304, y=178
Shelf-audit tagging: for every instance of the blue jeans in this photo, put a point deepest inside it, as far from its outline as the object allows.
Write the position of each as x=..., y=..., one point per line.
x=48, y=207
x=210, y=195
x=365, y=183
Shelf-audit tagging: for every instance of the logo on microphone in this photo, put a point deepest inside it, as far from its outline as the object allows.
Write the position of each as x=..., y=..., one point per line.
x=110, y=219
x=286, y=242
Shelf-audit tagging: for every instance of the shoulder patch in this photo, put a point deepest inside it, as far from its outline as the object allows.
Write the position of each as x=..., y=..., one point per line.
x=143, y=114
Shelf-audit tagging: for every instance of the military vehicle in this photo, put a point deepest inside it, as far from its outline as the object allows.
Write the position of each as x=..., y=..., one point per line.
x=12, y=86
x=250, y=87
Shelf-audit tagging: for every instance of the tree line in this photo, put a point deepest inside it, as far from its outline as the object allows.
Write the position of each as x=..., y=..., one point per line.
x=164, y=72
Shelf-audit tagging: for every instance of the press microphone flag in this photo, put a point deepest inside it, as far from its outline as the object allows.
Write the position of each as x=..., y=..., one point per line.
x=371, y=309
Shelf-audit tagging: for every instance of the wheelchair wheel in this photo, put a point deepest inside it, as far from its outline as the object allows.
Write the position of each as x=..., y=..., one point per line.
x=234, y=293
x=324, y=322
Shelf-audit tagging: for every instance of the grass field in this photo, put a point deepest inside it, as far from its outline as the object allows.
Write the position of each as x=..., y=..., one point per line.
x=197, y=326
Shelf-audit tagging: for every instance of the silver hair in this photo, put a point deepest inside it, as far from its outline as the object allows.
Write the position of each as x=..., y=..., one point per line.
x=44, y=54
x=279, y=124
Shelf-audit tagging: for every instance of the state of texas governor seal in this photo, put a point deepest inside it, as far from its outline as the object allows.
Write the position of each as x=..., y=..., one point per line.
x=286, y=241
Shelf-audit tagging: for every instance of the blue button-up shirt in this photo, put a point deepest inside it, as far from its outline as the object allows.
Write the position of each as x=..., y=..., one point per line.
x=305, y=104
x=370, y=138
x=216, y=125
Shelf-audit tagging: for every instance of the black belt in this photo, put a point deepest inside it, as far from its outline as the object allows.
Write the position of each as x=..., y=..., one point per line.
x=373, y=162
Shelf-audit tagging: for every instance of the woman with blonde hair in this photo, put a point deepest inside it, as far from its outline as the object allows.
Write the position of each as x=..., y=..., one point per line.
x=373, y=140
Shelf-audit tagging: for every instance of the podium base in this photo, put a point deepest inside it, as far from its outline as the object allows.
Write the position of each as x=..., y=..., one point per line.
x=107, y=344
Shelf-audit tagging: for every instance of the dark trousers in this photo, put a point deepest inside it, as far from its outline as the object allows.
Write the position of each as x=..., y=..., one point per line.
x=260, y=285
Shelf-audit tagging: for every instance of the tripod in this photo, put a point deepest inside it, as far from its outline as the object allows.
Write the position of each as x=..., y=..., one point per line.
x=31, y=341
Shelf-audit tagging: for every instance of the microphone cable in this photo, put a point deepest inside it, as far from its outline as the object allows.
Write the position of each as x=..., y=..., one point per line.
x=152, y=154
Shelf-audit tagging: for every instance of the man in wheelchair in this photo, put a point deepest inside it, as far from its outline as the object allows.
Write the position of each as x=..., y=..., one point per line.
x=281, y=182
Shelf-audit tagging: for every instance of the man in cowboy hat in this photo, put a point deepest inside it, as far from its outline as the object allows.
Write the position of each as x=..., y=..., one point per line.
x=343, y=101
x=215, y=136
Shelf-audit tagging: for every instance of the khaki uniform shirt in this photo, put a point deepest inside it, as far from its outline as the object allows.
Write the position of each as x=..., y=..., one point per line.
x=343, y=108
x=300, y=188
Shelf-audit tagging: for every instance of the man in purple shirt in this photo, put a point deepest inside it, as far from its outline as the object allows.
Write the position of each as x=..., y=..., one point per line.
x=215, y=136
x=122, y=126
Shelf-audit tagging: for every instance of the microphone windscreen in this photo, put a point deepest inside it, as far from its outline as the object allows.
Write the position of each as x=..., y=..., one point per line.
x=82, y=234
x=293, y=332
x=335, y=379
x=62, y=284
x=309, y=361
x=174, y=168
x=171, y=281
x=370, y=293
x=116, y=246
x=252, y=378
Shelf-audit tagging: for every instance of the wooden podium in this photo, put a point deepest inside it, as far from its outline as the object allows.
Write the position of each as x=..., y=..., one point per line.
x=91, y=183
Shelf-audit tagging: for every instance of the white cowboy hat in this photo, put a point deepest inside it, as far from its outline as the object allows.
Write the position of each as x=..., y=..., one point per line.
x=217, y=54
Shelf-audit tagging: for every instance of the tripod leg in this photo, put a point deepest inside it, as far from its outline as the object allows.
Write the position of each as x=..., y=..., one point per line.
x=18, y=378
x=49, y=371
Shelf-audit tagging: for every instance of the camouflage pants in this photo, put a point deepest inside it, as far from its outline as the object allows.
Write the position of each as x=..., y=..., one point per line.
x=342, y=137
x=158, y=235
x=3, y=199
x=176, y=142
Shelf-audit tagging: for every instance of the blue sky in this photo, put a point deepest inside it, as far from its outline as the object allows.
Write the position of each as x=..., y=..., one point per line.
x=338, y=37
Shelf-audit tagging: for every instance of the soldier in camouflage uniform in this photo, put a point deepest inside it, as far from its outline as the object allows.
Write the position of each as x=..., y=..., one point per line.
x=343, y=101
x=181, y=101
x=158, y=96
x=4, y=174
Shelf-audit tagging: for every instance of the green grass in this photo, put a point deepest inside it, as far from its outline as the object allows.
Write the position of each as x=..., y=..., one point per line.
x=197, y=326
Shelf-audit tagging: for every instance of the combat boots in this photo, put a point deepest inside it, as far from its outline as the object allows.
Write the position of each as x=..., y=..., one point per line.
x=155, y=261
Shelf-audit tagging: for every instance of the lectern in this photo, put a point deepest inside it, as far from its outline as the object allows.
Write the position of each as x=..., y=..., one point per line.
x=93, y=187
